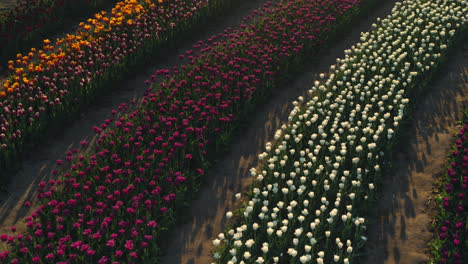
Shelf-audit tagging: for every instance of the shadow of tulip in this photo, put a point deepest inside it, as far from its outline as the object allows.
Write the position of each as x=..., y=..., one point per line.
x=232, y=170
x=420, y=156
x=39, y=162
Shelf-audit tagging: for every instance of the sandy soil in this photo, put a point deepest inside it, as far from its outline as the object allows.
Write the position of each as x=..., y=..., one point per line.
x=39, y=162
x=395, y=234
x=400, y=229
x=191, y=243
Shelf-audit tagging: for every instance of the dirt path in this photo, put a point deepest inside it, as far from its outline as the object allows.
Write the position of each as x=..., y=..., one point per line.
x=192, y=240
x=401, y=228
x=40, y=161
x=397, y=235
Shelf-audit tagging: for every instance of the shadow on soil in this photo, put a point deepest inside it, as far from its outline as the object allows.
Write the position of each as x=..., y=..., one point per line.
x=39, y=162
x=399, y=228
x=191, y=241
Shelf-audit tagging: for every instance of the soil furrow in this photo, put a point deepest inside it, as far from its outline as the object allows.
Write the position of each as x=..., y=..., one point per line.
x=191, y=241
x=400, y=229
x=39, y=163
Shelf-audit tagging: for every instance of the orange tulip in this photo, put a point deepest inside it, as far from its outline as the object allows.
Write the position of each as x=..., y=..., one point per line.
x=124, y=12
x=19, y=71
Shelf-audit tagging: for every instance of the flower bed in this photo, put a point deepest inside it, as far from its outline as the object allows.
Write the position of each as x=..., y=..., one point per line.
x=48, y=86
x=317, y=181
x=451, y=244
x=25, y=23
x=114, y=204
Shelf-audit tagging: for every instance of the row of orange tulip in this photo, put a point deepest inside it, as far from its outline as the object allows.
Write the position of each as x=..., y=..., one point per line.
x=26, y=66
x=29, y=20
x=49, y=85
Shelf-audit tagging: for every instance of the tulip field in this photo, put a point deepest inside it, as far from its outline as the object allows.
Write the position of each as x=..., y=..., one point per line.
x=119, y=197
x=338, y=135
x=30, y=19
x=50, y=84
x=450, y=244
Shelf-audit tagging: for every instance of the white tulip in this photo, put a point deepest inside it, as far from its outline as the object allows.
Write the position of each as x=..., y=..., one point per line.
x=295, y=241
x=292, y=252
x=216, y=242
x=270, y=231
x=265, y=249
x=255, y=226
x=279, y=233
x=312, y=241
x=304, y=259
x=249, y=243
